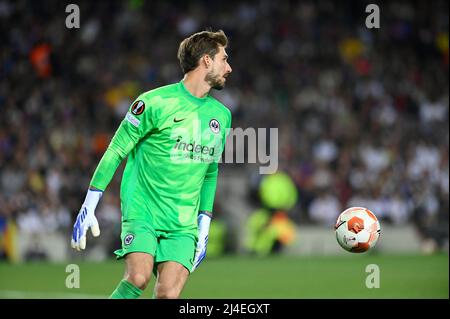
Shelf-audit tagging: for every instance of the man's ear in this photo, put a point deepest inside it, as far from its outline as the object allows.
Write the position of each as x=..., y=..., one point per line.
x=207, y=61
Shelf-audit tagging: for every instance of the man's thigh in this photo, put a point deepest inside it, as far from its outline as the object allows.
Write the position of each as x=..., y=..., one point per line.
x=173, y=263
x=179, y=248
x=171, y=278
x=137, y=236
x=138, y=267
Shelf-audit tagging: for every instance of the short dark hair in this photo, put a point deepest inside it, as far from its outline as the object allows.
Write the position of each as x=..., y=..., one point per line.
x=195, y=46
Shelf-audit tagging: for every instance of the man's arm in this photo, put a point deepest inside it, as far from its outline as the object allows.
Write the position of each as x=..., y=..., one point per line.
x=129, y=133
x=208, y=190
x=207, y=195
x=124, y=140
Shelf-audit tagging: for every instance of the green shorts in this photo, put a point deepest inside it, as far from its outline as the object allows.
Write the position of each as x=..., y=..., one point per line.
x=139, y=236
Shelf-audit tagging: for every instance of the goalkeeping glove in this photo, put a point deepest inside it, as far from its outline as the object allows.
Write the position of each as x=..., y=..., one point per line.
x=204, y=221
x=86, y=219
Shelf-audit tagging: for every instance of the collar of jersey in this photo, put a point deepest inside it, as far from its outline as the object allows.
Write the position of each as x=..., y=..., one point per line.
x=197, y=100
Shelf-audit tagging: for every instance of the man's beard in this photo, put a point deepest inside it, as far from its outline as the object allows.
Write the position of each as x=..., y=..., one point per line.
x=214, y=81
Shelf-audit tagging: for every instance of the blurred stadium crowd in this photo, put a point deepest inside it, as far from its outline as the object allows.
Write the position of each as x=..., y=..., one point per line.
x=362, y=113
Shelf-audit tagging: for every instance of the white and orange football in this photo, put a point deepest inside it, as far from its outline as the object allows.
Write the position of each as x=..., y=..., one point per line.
x=357, y=229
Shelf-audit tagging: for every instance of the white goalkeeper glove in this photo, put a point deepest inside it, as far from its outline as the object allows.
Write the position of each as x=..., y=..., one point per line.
x=204, y=221
x=86, y=219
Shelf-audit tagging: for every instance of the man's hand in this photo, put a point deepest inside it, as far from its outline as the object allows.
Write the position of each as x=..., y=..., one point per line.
x=85, y=220
x=204, y=221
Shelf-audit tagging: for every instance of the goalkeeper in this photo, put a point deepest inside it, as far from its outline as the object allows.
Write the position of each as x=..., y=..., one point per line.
x=173, y=136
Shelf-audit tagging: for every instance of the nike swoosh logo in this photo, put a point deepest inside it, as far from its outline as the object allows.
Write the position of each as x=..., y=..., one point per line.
x=176, y=121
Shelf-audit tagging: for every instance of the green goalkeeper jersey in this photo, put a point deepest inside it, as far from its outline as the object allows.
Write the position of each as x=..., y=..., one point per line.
x=173, y=141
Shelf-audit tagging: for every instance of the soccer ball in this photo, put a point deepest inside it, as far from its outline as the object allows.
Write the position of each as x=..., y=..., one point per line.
x=357, y=229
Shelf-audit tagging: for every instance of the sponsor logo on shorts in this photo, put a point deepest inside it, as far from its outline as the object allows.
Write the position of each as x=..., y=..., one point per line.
x=128, y=239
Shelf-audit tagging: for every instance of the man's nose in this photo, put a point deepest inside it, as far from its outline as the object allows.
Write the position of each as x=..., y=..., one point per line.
x=229, y=69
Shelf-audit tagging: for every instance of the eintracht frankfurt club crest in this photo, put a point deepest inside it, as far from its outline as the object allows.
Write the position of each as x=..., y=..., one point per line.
x=214, y=126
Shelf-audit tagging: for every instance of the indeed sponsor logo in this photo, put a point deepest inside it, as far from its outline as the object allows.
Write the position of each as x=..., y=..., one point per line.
x=193, y=147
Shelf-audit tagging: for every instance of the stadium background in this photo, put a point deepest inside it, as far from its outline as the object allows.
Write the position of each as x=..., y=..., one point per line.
x=362, y=116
